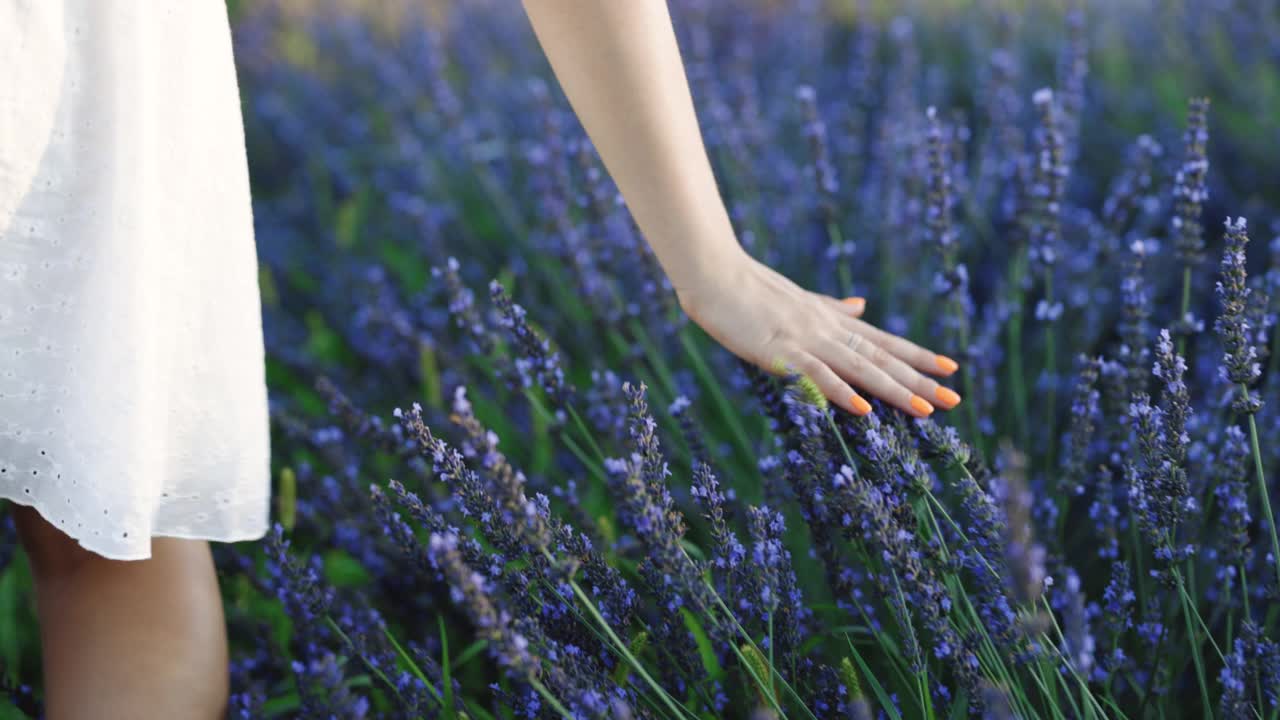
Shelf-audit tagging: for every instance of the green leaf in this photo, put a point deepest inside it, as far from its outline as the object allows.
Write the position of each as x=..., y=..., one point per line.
x=430, y=369
x=347, y=222
x=883, y=697
x=469, y=652
x=287, y=498
x=342, y=570
x=637, y=646
x=449, y=711
x=705, y=649
x=760, y=667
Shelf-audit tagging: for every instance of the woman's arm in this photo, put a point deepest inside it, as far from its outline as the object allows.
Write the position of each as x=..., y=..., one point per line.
x=619, y=65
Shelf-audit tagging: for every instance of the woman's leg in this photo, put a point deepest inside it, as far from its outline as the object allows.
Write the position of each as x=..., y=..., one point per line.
x=127, y=638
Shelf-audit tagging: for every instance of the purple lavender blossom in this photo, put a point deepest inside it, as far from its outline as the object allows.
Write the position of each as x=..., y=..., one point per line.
x=535, y=362
x=1158, y=487
x=952, y=279
x=1135, y=298
x=1078, y=644
x=1073, y=69
x=821, y=172
x=462, y=305
x=1049, y=177
x=1117, y=619
x=1240, y=362
x=1251, y=675
x=1189, y=189
x=1134, y=188
x=1230, y=487
x=471, y=591
x=1084, y=415
x=770, y=593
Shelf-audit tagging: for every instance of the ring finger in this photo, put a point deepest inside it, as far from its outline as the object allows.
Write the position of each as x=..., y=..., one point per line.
x=924, y=386
x=860, y=371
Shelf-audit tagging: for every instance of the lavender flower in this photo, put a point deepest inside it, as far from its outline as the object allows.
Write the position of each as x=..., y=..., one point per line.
x=1231, y=489
x=1159, y=489
x=1117, y=618
x=1252, y=669
x=1072, y=72
x=1049, y=177
x=1135, y=298
x=535, y=363
x=1133, y=189
x=323, y=691
x=472, y=591
x=952, y=280
x=1078, y=644
x=1240, y=361
x=770, y=593
x=1084, y=415
x=821, y=171
x=1189, y=189
x=728, y=554
x=462, y=305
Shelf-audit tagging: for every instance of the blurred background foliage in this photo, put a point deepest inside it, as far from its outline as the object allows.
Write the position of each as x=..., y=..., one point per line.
x=385, y=137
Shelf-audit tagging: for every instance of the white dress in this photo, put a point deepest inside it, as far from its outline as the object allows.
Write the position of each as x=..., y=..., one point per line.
x=133, y=396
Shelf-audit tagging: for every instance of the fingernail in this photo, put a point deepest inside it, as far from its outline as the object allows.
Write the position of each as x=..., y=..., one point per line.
x=860, y=405
x=947, y=397
x=946, y=364
x=859, y=303
x=921, y=406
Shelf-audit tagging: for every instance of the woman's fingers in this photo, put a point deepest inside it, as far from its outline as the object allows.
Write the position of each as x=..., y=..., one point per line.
x=831, y=385
x=907, y=376
x=850, y=362
x=850, y=307
x=925, y=361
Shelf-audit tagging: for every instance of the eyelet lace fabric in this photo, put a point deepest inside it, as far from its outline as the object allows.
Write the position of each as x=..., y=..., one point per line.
x=133, y=397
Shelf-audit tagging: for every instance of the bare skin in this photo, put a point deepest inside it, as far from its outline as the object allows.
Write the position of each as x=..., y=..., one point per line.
x=620, y=67
x=125, y=639
x=146, y=638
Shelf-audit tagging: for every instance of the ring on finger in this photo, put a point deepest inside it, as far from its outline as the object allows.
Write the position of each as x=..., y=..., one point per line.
x=852, y=337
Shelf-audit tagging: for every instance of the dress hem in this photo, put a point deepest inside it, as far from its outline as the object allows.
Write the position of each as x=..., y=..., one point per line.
x=237, y=535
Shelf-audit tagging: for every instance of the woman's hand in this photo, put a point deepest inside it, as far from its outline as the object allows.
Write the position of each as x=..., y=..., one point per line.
x=766, y=319
x=620, y=67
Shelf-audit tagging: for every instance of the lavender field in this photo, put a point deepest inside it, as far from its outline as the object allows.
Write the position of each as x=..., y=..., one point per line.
x=513, y=480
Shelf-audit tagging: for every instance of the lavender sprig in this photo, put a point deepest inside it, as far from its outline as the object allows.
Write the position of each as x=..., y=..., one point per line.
x=1240, y=361
x=535, y=363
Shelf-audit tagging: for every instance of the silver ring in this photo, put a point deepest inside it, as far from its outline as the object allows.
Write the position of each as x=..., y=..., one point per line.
x=849, y=343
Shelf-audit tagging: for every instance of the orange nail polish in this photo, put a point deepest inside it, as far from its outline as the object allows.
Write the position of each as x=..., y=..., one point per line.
x=947, y=397
x=946, y=364
x=860, y=405
x=921, y=406
x=858, y=302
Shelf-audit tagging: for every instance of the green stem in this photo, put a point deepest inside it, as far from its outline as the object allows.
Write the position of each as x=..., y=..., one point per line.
x=1262, y=485
x=842, y=268
x=704, y=371
x=581, y=427
x=1188, y=602
x=760, y=682
x=747, y=637
x=1050, y=368
x=1017, y=377
x=957, y=588
x=1186, y=308
x=551, y=699
x=1195, y=650
x=1084, y=686
x=666, y=699
x=926, y=703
